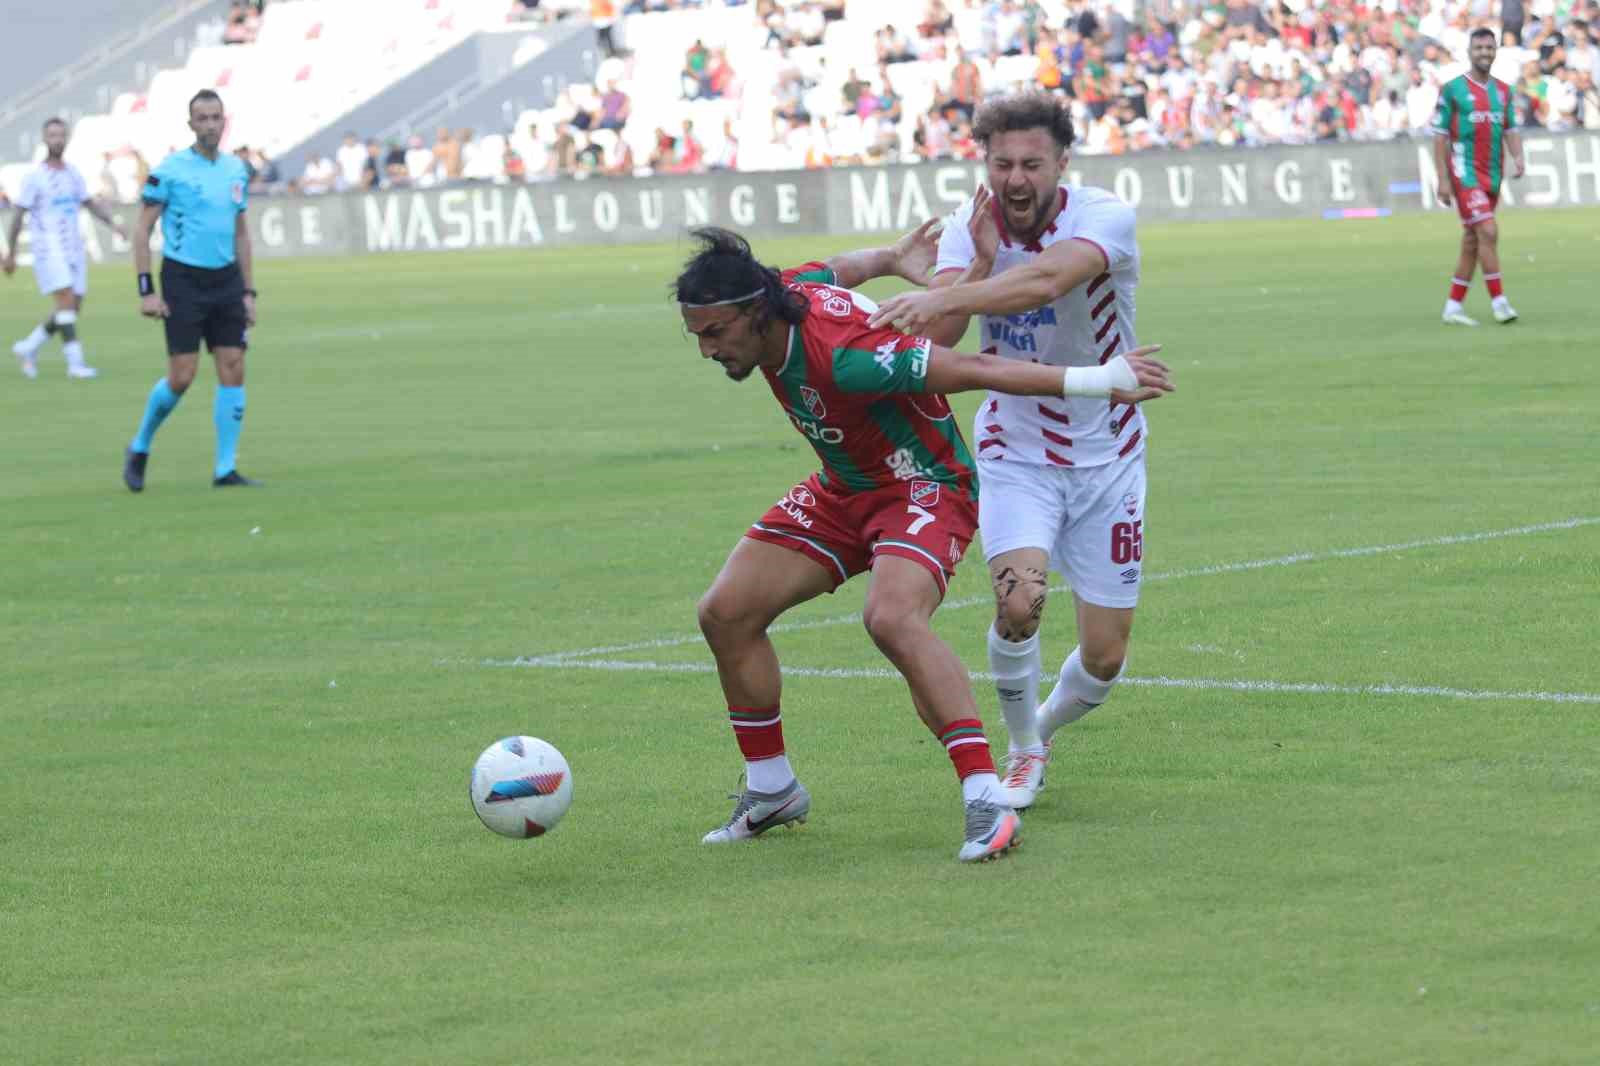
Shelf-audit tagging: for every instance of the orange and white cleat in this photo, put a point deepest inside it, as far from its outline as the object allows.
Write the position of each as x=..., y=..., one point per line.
x=1023, y=778
x=992, y=830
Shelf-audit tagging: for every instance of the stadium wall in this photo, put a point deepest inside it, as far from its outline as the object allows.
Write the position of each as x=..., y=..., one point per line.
x=1335, y=182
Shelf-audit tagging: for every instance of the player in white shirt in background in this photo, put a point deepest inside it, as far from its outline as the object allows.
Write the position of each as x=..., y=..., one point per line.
x=1052, y=271
x=52, y=194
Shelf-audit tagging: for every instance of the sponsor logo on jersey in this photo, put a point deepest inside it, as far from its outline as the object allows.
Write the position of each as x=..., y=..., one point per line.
x=1130, y=576
x=813, y=401
x=802, y=496
x=1130, y=503
x=816, y=430
x=925, y=493
x=904, y=465
x=1492, y=117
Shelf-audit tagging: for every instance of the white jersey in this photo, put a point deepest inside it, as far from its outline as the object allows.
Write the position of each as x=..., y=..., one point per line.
x=52, y=196
x=1086, y=327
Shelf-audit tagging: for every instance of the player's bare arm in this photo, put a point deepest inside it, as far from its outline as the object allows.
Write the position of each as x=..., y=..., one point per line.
x=103, y=213
x=985, y=235
x=1441, y=163
x=1514, y=147
x=911, y=257
x=9, y=263
x=244, y=251
x=1061, y=268
x=951, y=371
x=151, y=305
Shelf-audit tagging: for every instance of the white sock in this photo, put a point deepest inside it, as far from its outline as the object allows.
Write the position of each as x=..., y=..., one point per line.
x=1076, y=694
x=35, y=340
x=768, y=775
x=979, y=786
x=1452, y=306
x=1016, y=668
x=73, y=350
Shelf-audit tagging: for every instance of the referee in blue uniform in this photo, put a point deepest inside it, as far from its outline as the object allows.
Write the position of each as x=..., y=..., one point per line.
x=206, y=293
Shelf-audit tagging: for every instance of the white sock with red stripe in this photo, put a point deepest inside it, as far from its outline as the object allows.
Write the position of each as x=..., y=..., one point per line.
x=968, y=749
x=1016, y=668
x=1076, y=694
x=759, y=731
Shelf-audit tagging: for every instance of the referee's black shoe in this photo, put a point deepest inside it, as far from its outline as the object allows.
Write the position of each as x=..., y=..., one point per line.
x=133, y=469
x=233, y=477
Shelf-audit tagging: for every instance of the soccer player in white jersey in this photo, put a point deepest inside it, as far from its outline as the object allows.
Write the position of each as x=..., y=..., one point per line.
x=52, y=194
x=1052, y=271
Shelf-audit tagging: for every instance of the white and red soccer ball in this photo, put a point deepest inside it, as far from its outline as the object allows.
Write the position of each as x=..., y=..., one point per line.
x=521, y=786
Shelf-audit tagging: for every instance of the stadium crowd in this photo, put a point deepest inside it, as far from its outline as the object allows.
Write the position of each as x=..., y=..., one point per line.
x=1180, y=75
x=1175, y=74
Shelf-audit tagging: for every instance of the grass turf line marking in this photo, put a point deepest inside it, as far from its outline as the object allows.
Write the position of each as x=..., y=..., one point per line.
x=1315, y=688
x=1169, y=575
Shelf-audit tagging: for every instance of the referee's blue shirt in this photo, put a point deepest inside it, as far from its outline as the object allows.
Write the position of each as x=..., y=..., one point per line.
x=202, y=200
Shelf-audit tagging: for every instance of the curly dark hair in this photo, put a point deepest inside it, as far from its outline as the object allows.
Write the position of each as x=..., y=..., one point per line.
x=724, y=268
x=1025, y=111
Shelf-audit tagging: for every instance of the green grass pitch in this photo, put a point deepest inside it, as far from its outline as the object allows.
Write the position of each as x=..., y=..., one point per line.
x=236, y=726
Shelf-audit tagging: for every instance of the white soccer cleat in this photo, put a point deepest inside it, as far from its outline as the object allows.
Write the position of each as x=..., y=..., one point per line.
x=992, y=830
x=82, y=370
x=1504, y=313
x=26, y=362
x=756, y=812
x=1023, y=778
x=1458, y=318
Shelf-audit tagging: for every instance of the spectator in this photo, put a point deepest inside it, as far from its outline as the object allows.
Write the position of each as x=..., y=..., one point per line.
x=966, y=84
x=693, y=79
x=726, y=156
x=469, y=147
x=419, y=162
x=603, y=14
x=395, y=174
x=615, y=107
x=719, y=74
x=892, y=46
x=691, y=153
x=1588, y=101
x=244, y=23
x=372, y=171
x=446, y=156
x=665, y=153
x=512, y=165
x=456, y=165
x=320, y=176
x=352, y=160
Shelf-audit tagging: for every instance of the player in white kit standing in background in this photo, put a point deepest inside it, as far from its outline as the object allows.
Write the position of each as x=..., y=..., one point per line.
x=1052, y=270
x=52, y=194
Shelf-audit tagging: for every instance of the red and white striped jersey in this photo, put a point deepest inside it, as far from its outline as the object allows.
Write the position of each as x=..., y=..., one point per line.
x=53, y=196
x=1085, y=327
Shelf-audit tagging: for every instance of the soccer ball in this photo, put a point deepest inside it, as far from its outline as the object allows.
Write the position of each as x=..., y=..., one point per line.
x=520, y=787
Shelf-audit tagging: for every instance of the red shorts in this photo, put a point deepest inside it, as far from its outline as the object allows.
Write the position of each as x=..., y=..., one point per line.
x=924, y=521
x=1476, y=204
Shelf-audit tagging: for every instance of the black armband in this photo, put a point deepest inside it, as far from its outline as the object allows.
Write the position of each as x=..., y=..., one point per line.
x=147, y=287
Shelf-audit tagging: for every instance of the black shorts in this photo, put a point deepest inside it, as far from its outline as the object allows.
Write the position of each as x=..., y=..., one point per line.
x=203, y=305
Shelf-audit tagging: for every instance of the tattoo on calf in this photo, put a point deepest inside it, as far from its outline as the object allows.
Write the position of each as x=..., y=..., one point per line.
x=1027, y=581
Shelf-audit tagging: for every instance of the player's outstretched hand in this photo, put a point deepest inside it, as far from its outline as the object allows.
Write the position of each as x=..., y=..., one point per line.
x=908, y=312
x=153, y=306
x=1154, y=377
x=917, y=251
x=984, y=231
x=1445, y=196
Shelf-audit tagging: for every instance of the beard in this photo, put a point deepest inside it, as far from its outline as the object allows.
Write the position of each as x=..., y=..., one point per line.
x=1028, y=222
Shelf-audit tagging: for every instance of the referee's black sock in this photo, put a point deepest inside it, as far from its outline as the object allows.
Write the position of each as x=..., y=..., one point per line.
x=50, y=324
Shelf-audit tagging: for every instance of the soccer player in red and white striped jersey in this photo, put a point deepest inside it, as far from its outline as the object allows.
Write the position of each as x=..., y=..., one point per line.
x=1052, y=271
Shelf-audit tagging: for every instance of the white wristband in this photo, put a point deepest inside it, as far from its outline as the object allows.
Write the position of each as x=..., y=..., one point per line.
x=1099, y=380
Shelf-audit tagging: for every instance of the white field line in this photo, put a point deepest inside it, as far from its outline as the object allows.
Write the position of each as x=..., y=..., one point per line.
x=1194, y=683
x=570, y=657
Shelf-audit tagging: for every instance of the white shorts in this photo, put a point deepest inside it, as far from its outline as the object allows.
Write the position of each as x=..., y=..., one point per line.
x=55, y=273
x=1089, y=521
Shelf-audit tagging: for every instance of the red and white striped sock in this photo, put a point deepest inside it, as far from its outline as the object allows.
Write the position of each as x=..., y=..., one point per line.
x=759, y=731
x=1496, y=290
x=1458, y=289
x=968, y=748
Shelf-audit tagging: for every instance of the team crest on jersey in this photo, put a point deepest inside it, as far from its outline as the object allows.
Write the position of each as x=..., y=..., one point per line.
x=813, y=401
x=837, y=306
x=925, y=493
x=1130, y=503
x=238, y=192
x=802, y=496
